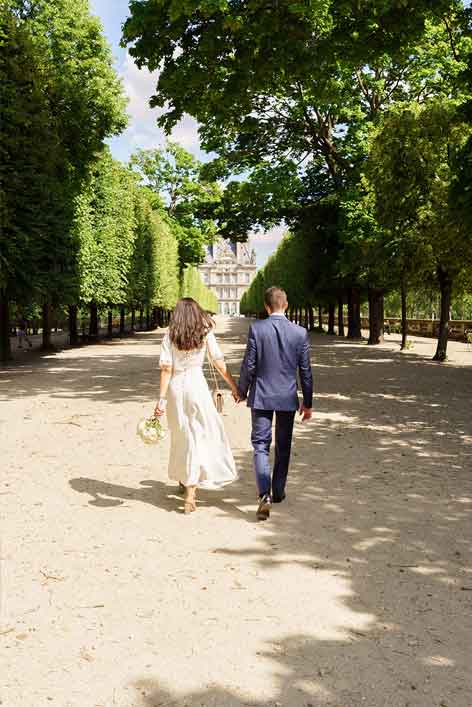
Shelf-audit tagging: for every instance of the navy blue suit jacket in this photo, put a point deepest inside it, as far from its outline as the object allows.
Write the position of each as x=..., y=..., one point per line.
x=276, y=350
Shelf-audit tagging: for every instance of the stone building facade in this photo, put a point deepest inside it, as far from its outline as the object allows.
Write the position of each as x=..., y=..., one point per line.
x=228, y=270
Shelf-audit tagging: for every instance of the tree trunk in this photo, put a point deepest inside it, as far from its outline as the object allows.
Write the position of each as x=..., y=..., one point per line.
x=155, y=317
x=311, y=318
x=5, y=348
x=93, y=326
x=320, y=317
x=354, y=313
x=122, y=321
x=148, y=319
x=73, y=330
x=404, y=315
x=110, y=324
x=141, y=318
x=340, y=315
x=376, y=316
x=306, y=317
x=46, y=326
x=331, y=317
x=445, y=285
x=133, y=319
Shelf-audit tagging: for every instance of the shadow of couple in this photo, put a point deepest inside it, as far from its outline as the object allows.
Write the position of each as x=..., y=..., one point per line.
x=163, y=495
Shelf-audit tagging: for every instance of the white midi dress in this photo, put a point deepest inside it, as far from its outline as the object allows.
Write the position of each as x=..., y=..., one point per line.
x=200, y=454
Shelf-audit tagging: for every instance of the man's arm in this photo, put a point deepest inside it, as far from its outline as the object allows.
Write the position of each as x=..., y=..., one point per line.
x=248, y=366
x=306, y=377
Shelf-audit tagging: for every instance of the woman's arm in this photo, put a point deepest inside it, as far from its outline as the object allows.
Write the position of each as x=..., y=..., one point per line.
x=217, y=358
x=166, y=375
x=222, y=369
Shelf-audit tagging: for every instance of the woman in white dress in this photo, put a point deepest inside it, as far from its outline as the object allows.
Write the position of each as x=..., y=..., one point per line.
x=200, y=455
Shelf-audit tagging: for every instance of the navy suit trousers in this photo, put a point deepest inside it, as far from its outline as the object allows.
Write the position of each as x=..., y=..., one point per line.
x=261, y=439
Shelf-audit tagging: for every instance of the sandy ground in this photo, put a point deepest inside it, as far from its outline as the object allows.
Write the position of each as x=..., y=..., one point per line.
x=358, y=591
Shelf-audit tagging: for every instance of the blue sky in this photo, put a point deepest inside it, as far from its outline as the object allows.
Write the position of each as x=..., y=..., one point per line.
x=142, y=130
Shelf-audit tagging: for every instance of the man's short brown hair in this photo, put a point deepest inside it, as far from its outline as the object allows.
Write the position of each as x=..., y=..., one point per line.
x=275, y=298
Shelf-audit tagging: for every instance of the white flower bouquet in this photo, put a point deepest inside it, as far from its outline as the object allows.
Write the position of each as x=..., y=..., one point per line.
x=150, y=430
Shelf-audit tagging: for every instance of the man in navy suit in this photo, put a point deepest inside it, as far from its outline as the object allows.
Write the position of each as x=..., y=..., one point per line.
x=276, y=350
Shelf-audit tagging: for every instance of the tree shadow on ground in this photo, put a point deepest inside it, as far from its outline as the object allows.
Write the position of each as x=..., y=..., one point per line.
x=379, y=498
x=305, y=672
x=102, y=371
x=379, y=501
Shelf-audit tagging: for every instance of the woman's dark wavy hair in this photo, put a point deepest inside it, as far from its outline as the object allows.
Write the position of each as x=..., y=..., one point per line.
x=189, y=325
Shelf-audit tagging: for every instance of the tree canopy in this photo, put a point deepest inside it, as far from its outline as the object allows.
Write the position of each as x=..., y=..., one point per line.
x=191, y=199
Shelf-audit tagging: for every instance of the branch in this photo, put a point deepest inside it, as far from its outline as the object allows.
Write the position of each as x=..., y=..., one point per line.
x=451, y=39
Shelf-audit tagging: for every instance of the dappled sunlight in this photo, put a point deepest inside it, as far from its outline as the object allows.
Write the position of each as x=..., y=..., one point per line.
x=370, y=543
x=332, y=396
x=333, y=417
x=375, y=360
x=439, y=661
x=366, y=565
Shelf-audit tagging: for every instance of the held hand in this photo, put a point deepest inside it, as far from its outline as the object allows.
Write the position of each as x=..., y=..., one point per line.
x=235, y=394
x=306, y=413
x=160, y=408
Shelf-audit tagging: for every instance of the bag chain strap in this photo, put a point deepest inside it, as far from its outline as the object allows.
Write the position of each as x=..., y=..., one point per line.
x=217, y=392
x=213, y=372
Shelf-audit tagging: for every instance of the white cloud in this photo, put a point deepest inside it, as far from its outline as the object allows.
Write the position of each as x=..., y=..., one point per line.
x=273, y=236
x=143, y=131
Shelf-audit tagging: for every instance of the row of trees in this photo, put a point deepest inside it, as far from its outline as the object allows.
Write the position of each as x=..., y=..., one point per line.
x=352, y=127
x=193, y=286
x=60, y=99
x=127, y=251
x=80, y=231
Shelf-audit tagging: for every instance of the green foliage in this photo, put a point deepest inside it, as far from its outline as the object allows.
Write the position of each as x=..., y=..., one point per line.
x=268, y=81
x=84, y=91
x=33, y=173
x=60, y=98
x=105, y=230
x=412, y=170
x=193, y=286
x=252, y=301
x=178, y=179
x=141, y=273
x=167, y=283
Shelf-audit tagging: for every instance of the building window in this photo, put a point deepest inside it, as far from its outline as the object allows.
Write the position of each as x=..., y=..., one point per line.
x=227, y=278
x=246, y=276
x=219, y=277
x=234, y=278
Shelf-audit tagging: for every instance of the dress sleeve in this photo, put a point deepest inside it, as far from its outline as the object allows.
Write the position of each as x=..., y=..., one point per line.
x=213, y=348
x=166, y=358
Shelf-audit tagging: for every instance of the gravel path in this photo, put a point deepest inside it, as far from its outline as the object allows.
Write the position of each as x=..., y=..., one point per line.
x=358, y=591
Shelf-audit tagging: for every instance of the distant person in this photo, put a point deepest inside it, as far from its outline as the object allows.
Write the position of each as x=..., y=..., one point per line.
x=276, y=350
x=200, y=455
x=22, y=333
